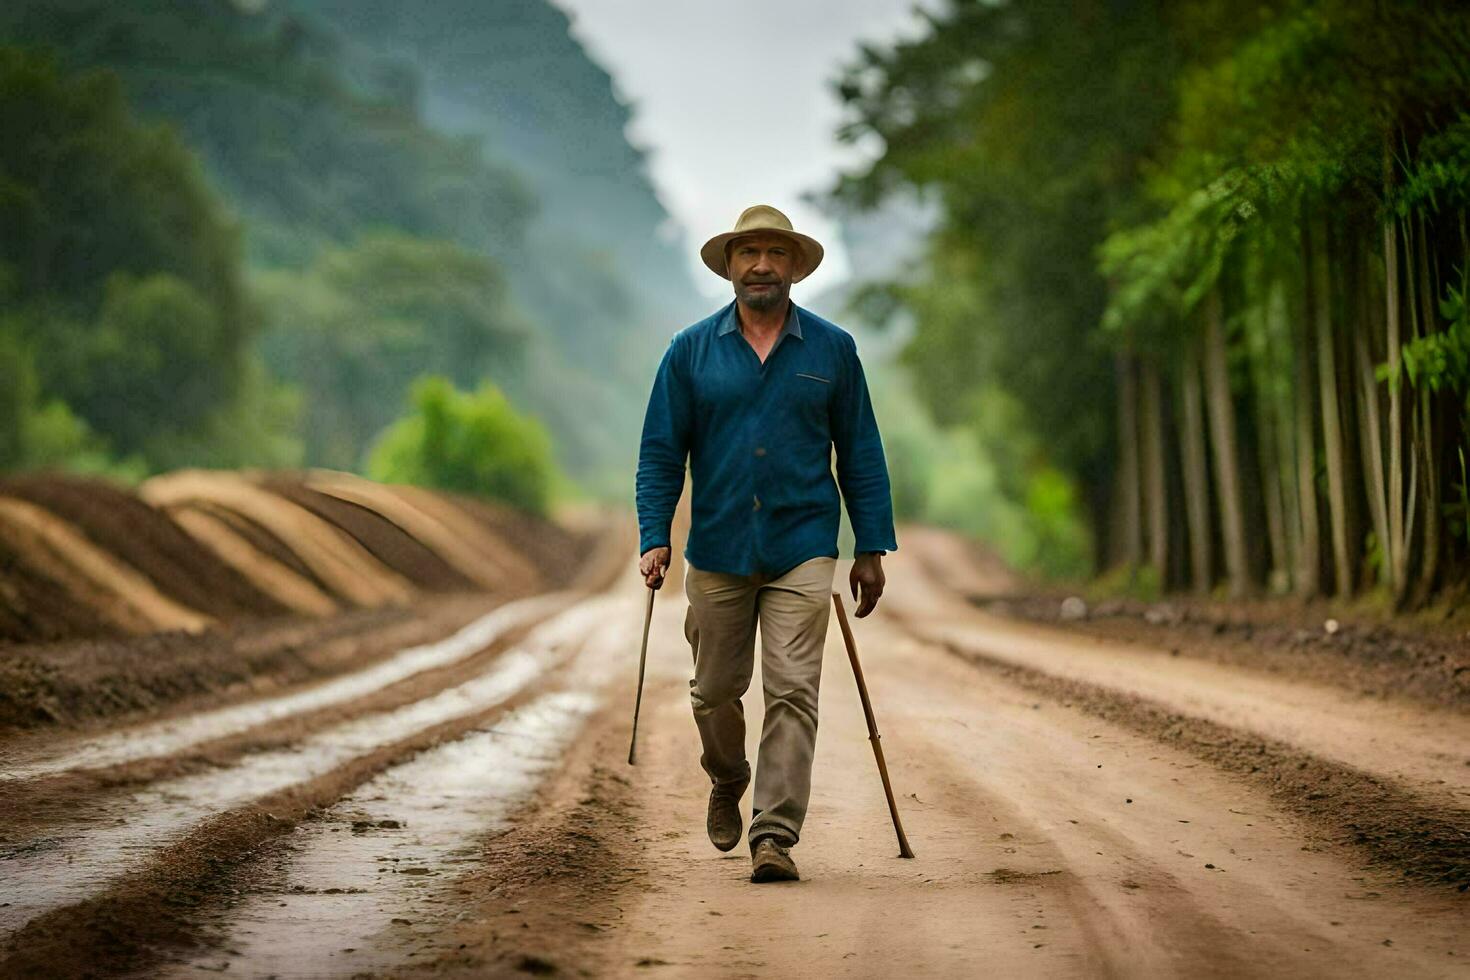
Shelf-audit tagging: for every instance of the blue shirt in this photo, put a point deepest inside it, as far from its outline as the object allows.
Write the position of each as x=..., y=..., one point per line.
x=759, y=438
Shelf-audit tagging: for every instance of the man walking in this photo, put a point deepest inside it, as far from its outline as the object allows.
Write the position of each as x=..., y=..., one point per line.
x=758, y=396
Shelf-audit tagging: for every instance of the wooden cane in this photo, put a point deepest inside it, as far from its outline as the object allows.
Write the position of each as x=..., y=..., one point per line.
x=642, y=660
x=903, y=842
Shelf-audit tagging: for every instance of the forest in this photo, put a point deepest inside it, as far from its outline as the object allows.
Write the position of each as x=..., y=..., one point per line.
x=1192, y=314
x=238, y=234
x=1206, y=265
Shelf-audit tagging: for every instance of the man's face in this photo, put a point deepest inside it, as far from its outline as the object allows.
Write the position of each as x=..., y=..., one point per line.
x=760, y=268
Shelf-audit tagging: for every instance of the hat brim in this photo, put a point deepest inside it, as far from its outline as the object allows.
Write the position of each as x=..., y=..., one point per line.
x=809, y=250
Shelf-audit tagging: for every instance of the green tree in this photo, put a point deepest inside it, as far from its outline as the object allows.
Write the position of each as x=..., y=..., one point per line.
x=1216, y=254
x=124, y=313
x=355, y=329
x=469, y=442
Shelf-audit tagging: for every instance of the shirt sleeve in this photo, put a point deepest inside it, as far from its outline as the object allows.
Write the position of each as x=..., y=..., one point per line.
x=663, y=450
x=862, y=472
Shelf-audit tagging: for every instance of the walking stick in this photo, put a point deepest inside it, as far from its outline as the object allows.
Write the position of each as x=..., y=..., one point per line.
x=642, y=659
x=903, y=842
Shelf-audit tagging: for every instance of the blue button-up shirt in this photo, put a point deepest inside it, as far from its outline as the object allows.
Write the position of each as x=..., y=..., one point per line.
x=759, y=439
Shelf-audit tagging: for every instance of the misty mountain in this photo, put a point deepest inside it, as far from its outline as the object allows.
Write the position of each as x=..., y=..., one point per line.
x=481, y=124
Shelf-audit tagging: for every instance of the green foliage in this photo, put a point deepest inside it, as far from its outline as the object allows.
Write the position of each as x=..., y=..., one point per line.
x=146, y=366
x=1441, y=359
x=1439, y=180
x=39, y=433
x=1142, y=583
x=356, y=327
x=974, y=475
x=469, y=442
x=125, y=327
x=1030, y=121
x=85, y=192
x=1105, y=167
x=304, y=154
x=257, y=429
x=485, y=126
x=1458, y=511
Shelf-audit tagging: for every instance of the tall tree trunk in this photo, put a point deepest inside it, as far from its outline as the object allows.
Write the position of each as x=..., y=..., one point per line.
x=1397, y=544
x=1428, y=434
x=1131, y=533
x=1268, y=422
x=1370, y=425
x=1222, y=430
x=1309, y=557
x=1196, y=476
x=1320, y=296
x=1283, y=419
x=1157, y=506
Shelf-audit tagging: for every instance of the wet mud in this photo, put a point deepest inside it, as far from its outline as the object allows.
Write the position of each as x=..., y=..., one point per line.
x=460, y=806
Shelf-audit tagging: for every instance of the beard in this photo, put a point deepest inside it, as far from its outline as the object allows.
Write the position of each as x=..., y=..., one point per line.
x=764, y=300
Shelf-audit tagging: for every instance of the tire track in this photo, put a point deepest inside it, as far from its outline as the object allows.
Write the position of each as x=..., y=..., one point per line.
x=80, y=860
x=379, y=871
x=174, y=735
x=1393, y=826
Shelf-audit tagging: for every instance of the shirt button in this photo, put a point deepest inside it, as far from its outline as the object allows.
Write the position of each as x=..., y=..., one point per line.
x=760, y=450
x=757, y=502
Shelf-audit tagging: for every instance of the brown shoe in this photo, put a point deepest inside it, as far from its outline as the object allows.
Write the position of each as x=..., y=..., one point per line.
x=771, y=861
x=722, y=820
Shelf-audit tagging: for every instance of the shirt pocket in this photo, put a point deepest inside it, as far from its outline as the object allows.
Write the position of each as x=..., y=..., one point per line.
x=811, y=394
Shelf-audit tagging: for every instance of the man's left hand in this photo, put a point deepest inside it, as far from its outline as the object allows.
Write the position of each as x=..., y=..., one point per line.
x=867, y=571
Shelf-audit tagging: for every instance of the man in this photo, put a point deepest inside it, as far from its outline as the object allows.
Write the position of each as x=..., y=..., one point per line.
x=758, y=396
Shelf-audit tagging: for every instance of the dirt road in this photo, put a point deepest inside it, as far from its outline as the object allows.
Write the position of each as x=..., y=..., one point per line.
x=462, y=807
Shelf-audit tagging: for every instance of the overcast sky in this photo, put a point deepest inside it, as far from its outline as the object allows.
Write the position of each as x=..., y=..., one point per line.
x=733, y=102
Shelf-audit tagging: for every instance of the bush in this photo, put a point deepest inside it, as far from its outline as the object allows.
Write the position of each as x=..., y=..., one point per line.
x=468, y=442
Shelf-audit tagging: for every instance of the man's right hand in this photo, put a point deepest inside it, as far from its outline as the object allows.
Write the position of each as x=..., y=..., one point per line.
x=652, y=565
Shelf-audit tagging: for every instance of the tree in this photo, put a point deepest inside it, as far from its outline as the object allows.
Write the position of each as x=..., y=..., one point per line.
x=121, y=273
x=470, y=442
x=357, y=327
x=1259, y=206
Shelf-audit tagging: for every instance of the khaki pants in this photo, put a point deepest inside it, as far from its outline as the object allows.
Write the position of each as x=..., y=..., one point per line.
x=792, y=611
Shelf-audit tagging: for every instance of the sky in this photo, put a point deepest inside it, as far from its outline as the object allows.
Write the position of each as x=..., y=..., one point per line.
x=733, y=103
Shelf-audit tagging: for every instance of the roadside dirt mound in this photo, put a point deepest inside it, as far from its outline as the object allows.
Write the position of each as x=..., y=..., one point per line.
x=484, y=566
x=257, y=556
x=112, y=586
x=196, y=550
x=149, y=541
x=1428, y=662
x=557, y=552
x=35, y=608
x=340, y=562
x=385, y=540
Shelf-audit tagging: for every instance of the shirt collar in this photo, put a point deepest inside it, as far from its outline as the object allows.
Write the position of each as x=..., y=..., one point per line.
x=731, y=321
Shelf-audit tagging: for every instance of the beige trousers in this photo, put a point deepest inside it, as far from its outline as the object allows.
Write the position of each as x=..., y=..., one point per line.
x=792, y=610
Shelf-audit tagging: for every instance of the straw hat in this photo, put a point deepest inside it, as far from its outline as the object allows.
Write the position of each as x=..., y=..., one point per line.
x=763, y=217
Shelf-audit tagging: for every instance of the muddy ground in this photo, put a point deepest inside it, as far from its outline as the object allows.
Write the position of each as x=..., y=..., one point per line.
x=460, y=805
x=1427, y=661
x=196, y=550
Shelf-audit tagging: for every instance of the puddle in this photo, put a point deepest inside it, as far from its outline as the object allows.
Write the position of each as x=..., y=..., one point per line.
x=92, y=855
x=371, y=873
x=167, y=737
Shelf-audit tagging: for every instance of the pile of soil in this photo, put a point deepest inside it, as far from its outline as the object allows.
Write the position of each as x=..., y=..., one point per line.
x=36, y=609
x=385, y=540
x=261, y=540
x=149, y=541
x=336, y=559
x=556, y=552
x=1413, y=658
x=217, y=571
